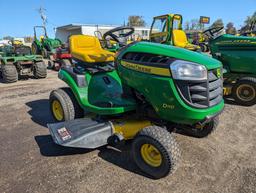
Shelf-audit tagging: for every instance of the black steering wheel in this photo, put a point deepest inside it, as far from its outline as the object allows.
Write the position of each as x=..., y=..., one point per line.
x=121, y=38
x=213, y=31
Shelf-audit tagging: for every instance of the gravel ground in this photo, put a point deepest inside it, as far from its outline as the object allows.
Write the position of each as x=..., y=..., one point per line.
x=31, y=162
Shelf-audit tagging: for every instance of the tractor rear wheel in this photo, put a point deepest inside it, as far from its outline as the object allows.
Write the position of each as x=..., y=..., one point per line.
x=45, y=53
x=39, y=70
x=9, y=73
x=244, y=91
x=155, y=151
x=35, y=49
x=63, y=105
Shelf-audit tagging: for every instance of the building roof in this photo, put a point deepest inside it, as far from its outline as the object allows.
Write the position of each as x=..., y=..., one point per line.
x=73, y=26
x=78, y=25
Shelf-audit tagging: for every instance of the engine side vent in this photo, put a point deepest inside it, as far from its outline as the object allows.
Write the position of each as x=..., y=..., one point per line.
x=148, y=59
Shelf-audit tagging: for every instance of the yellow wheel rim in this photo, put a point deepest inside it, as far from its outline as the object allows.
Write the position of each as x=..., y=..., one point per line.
x=151, y=155
x=57, y=110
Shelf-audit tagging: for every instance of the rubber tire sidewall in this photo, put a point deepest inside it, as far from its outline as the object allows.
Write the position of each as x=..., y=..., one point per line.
x=252, y=82
x=70, y=106
x=170, y=156
x=39, y=70
x=66, y=104
x=7, y=77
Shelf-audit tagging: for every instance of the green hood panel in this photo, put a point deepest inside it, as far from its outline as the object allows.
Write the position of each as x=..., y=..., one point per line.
x=174, y=52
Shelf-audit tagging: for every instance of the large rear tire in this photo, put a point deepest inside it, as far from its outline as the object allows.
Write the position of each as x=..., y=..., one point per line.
x=244, y=91
x=39, y=70
x=35, y=49
x=156, y=152
x=63, y=105
x=9, y=73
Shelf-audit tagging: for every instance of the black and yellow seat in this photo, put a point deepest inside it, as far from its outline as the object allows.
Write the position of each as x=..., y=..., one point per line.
x=88, y=49
x=180, y=40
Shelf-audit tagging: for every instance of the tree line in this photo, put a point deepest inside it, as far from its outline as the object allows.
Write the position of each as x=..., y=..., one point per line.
x=194, y=24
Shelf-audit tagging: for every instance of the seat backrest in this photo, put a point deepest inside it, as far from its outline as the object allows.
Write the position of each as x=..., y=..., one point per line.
x=83, y=43
x=179, y=37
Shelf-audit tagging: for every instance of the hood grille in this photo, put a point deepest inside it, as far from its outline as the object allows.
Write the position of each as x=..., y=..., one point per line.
x=202, y=94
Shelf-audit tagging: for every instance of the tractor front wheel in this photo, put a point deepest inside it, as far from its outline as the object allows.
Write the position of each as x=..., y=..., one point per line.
x=200, y=131
x=156, y=152
x=9, y=73
x=244, y=91
x=63, y=105
x=39, y=70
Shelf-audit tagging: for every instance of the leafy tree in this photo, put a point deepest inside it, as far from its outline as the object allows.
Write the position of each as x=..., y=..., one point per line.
x=194, y=24
x=136, y=21
x=250, y=21
x=230, y=29
x=217, y=23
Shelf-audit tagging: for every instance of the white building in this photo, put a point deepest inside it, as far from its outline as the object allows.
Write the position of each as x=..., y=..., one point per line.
x=63, y=32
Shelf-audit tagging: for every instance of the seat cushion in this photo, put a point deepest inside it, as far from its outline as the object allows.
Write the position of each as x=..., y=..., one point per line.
x=93, y=56
x=180, y=40
x=88, y=49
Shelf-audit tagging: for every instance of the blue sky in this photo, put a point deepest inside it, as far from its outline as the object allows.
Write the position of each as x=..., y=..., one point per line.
x=19, y=16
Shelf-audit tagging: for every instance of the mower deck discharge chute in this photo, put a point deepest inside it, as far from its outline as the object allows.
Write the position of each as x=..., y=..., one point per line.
x=148, y=91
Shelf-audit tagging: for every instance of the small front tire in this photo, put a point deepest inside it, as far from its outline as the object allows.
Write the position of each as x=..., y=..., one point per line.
x=156, y=152
x=200, y=131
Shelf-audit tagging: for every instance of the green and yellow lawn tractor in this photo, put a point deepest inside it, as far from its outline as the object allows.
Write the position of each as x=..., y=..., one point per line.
x=141, y=94
x=238, y=55
x=45, y=46
x=167, y=29
x=17, y=61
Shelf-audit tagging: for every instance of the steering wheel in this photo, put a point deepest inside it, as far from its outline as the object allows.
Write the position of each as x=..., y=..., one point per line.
x=121, y=38
x=213, y=32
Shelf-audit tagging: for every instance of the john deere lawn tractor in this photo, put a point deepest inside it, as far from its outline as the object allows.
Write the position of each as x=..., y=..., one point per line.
x=17, y=61
x=238, y=55
x=50, y=49
x=167, y=29
x=142, y=94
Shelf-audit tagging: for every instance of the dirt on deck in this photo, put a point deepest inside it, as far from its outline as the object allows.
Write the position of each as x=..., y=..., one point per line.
x=30, y=161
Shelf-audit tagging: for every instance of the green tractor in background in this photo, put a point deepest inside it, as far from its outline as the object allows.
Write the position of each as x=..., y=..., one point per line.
x=167, y=29
x=238, y=55
x=17, y=60
x=45, y=46
x=140, y=93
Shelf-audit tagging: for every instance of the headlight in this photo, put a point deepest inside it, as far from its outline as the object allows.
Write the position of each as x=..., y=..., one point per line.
x=185, y=70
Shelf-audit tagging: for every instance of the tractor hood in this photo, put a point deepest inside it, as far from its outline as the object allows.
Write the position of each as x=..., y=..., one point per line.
x=173, y=52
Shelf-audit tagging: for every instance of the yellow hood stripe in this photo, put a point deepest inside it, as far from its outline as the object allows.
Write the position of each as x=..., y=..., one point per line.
x=147, y=69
